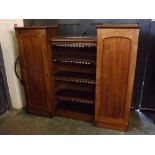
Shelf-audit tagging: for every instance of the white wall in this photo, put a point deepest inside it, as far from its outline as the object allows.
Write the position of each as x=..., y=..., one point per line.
x=10, y=53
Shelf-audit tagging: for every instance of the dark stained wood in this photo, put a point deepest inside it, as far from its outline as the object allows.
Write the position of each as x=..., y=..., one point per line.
x=115, y=67
x=76, y=110
x=74, y=115
x=72, y=85
x=51, y=32
x=35, y=69
x=73, y=67
x=113, y=126
x=116, y=60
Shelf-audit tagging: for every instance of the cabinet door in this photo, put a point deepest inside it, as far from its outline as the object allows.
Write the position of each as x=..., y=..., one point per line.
x=35, y=70
x=116, y=59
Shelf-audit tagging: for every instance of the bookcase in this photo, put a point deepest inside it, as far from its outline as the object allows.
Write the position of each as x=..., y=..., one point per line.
x=83, y=78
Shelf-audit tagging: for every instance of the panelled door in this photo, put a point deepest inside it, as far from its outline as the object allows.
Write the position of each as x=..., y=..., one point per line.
x=35, y=69
x=116, y=59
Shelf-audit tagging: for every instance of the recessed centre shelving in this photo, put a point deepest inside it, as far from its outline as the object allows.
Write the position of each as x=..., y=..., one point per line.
x=74, y=62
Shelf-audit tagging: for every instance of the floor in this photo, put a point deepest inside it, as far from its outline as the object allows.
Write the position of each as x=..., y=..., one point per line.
x=17, y=122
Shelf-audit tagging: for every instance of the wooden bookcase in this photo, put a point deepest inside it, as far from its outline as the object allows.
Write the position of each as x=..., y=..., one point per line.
x=84, y=78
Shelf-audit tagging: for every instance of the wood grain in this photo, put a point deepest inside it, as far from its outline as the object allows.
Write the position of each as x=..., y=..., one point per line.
x=116, y=61
x=35, y=69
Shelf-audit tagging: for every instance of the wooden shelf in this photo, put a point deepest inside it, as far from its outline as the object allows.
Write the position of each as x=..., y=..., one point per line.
x=74, y=107
x=76, y=77
x=73, y=40
x=76, y=100
x=74, y=115
x=75, y=96
x=92, y=82
x=75, y=61
x=75, y=110
x=74, y=45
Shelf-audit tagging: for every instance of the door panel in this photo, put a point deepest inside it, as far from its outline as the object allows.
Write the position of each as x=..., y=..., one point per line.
x=116, y=60
x=35, y=70
x=115, y=72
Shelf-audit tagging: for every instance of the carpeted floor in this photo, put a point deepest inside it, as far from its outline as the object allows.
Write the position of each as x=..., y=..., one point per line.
x=17, y=122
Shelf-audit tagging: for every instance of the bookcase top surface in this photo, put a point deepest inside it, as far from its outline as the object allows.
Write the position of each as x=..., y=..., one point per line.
x=130, y=26
x=37, y=27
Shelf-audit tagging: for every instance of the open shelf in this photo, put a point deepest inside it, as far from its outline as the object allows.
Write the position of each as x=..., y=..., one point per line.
x=77, y=77
x=74, y=45
x=76, y=96
x=74, y=41
x=75, y=107
x=75, y=110
x=80, y=61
